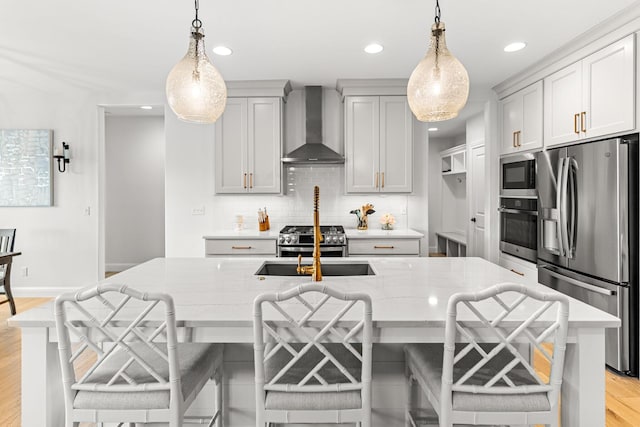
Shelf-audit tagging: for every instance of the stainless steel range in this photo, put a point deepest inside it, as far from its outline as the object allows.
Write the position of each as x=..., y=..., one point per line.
x=297, y=240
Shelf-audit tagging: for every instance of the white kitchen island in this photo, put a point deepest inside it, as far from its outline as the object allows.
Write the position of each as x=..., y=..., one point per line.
x=214, y=296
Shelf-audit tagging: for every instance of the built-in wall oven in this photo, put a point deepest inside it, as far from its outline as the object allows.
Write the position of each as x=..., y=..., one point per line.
x=519, y=227
x=519, y=206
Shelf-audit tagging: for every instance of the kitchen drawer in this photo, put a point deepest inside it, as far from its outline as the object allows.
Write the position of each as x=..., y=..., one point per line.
x=240, y=247
x=384, y=247
x=527, y=272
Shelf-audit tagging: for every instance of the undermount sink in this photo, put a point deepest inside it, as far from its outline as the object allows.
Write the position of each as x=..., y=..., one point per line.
x=275, y=268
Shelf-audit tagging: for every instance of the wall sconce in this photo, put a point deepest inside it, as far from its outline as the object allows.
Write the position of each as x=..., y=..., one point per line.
x=62, y=156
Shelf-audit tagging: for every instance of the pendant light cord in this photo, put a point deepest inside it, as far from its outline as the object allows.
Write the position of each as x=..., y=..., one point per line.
x=437, y=19
x=197, y=23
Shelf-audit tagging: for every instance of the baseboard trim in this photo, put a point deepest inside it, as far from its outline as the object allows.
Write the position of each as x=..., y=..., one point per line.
x=39, y=292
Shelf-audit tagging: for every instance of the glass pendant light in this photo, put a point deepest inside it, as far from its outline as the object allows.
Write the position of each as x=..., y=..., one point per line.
x=196, y=91
x=439, y=86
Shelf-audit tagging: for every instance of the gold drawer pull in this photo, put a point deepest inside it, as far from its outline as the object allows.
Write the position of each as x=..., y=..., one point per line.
x=575, y=123
x=383, y=247
x=244, y=181
x=240, y=247
x=382, y=179
x=377, y=175
x=251, y=180
x=517, y=272
x=583, y=121
x=514, y=143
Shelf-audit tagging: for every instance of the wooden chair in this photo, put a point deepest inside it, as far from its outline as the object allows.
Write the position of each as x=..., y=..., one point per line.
x=139, y=372
x=7, y=239
x=315, y=366
x=472, y=381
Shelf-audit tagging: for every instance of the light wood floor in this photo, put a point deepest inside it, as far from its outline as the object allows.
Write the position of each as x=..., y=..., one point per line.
x=622, y=393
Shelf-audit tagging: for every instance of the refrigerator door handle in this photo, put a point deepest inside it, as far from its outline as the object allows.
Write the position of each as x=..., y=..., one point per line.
x=578, y=283
x=560, y=187
x=572, y=167
x=564, y=221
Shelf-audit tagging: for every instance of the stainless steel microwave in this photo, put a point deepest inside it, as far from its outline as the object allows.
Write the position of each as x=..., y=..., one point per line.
x=518, y=176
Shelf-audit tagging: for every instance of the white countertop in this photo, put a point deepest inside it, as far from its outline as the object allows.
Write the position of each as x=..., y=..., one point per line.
x=352, y=233
x=405, y=291
x=243, y=234
x=378, y=233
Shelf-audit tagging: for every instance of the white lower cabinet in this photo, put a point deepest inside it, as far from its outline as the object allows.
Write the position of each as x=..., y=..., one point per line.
x=527, y=271
x=224, y=247
x=384, y=247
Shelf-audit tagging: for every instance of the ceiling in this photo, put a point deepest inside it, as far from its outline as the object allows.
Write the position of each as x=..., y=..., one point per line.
x=131, y=45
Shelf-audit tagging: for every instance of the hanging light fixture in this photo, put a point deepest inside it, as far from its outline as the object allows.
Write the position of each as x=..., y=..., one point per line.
x=195, y=89
x=439, y=86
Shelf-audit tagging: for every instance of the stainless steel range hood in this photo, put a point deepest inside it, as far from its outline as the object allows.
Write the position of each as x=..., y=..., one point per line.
x=313, y=151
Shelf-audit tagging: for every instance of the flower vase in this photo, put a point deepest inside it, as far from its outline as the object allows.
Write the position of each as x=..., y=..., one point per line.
x=387, y=226
x=363, y=223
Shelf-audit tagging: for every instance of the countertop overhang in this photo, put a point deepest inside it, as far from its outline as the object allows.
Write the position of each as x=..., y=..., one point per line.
x=410, y=292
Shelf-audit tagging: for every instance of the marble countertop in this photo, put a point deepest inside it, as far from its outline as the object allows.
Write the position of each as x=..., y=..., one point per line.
x=352, y=233
x=219, y=292
x=243, y=234
x=378, y=233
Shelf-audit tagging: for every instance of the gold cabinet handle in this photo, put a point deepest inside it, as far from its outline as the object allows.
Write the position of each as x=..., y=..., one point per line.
x=251, y=180
x=518, y=142
x=382, y=179
x=240, y=247
x=383, y=247
x=583, y=121
x=575, y=123
x=377, y=174
x=513, y=143
x=517, y=272
x=244, y=181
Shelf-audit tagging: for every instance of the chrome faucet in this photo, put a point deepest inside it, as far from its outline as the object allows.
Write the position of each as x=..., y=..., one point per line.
x=315, y=269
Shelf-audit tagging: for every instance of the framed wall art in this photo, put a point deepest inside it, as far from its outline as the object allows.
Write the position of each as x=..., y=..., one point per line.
x=26, y=167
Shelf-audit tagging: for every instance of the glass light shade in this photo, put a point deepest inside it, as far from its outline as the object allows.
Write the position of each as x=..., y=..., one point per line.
x=196, y=91
x=439, y=86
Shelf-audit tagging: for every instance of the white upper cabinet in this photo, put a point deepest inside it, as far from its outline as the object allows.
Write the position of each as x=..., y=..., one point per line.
x=593, y=97
x=379, y=144
x=249, y=146
x=521, y=115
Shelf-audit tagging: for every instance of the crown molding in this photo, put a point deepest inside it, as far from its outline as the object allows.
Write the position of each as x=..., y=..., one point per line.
x=607, y=32
x=260, y=88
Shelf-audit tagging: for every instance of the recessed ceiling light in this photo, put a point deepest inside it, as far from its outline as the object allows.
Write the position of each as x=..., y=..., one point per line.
x=373, y=48
x=222, y=51
x=514, y=47
x=432, y=129
x=146, y=107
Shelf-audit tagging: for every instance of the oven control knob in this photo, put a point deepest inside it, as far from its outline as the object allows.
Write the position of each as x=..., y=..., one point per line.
x=341, y=239
x=281, y=239
x=294, y=238
x=288, y=239
x=335, y=239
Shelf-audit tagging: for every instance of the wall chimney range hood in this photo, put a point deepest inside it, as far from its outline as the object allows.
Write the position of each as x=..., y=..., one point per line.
x=313, y=151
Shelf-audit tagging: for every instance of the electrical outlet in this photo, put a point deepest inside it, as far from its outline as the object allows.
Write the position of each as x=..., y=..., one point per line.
x=403, y=211
x=197, y=211
x=87, y=211
x=25, y=271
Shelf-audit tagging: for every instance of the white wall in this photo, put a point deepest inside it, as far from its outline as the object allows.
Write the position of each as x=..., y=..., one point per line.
x=134, y=191
x=59, y=243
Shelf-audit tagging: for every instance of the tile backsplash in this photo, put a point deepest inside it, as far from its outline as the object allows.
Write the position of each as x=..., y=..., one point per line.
x=295, y=205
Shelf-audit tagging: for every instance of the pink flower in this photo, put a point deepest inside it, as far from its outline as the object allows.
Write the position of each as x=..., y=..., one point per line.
x=387, y=219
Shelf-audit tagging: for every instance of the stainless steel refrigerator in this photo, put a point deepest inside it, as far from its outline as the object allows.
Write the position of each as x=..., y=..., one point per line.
x=588, y=234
